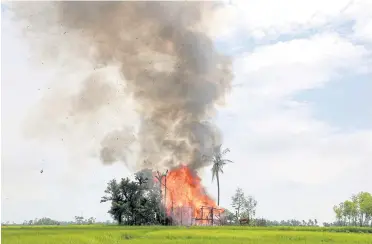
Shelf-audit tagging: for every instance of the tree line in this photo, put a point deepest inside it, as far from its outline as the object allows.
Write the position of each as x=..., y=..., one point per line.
x=139, y=202
x=79, y=220
x=356, y=211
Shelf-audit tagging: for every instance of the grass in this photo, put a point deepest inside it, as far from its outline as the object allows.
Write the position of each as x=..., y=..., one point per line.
x=195, y=235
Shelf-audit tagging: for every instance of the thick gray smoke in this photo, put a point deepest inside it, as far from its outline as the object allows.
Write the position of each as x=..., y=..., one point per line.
x=169, y=66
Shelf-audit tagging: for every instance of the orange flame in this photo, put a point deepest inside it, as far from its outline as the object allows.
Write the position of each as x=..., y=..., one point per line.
x=184, y=191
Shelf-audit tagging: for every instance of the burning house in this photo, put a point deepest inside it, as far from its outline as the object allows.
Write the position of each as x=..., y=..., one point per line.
x=185, y=199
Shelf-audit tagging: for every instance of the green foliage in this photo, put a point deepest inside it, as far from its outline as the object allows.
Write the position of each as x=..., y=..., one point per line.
x=245, y=206
x=48, y=221
x=355, y=212
x=249, y=207
x=197, y=235
x=81, y=221
x=238, y=201
x=135, y=202
x=42, y=221
x=218, y=163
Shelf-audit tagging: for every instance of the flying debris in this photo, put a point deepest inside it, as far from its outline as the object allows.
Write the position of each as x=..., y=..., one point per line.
x=173, y=73
x=41, y=171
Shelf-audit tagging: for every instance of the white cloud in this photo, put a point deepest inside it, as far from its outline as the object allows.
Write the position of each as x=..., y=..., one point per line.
x=361, y=13
x=284, y=68
x=276, y=141
x=280, y=129
x=363, y=30
x=286, y=16
x=325, y=48
x=288, y=144
x=268, y=19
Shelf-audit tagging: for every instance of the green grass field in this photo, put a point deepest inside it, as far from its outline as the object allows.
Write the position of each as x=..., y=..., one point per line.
x=162, y=235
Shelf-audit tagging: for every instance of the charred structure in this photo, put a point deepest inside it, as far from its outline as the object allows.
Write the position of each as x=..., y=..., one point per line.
x=185, y=200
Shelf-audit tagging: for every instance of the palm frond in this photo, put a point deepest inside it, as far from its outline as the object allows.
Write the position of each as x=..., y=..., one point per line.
x=218, y=161
x=226, y=150
x=227, y=160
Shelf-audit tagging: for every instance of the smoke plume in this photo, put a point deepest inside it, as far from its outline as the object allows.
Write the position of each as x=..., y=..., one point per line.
x=169, y=66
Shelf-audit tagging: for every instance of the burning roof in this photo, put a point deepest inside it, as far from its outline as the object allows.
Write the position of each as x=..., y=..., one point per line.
x=185, y=198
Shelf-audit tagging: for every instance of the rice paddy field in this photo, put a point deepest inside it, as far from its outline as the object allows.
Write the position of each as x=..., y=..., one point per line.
x=95, y=234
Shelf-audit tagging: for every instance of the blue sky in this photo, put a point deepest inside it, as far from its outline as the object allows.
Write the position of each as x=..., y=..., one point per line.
x=343, y=103
x=298, y=121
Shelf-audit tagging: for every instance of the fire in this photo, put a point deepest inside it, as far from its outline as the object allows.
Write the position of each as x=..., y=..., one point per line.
x=184, y=191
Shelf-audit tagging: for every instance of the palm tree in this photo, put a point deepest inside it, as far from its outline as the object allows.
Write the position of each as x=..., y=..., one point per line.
x=217, y=168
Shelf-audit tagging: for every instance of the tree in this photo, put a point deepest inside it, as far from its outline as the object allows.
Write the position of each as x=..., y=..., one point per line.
x=238, y=201
x=364, y=200
x=339, y=210
x=90, y=221
x=42, y=221
x=249, y=207
x=114, y=195
x=356, y=211
x=350, y=212
x=134, y=202
x=325, y=224
x=218, y=163
x=79, y=220
x=245, y=207
x=310, y=222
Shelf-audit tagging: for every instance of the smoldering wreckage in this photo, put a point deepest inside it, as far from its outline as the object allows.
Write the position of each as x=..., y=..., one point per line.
x=170, y=67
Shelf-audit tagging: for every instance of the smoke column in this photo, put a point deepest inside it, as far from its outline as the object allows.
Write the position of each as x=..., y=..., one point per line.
x=169, y=67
